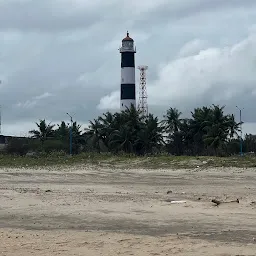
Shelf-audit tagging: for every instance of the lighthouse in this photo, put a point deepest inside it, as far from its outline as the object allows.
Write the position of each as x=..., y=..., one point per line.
x=128, y=91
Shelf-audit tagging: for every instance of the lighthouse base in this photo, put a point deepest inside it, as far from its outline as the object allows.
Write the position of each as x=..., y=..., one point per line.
x=124, y=104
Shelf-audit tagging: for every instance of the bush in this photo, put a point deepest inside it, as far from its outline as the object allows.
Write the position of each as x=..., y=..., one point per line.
x=17, y=146
x=21, y=146
x=50, y=146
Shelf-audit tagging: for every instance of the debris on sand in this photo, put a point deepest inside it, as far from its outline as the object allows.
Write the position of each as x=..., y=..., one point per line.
x=48, y=190
x=178, y=202
x=236, y=201
x=169, y=192
x=175, y=201
x=217, y=202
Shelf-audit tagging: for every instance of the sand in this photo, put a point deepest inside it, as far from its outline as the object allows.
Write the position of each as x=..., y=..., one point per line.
x=90, y=210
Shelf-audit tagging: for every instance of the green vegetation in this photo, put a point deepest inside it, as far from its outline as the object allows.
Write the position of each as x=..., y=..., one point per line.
x=128, y=138
x=125, y=161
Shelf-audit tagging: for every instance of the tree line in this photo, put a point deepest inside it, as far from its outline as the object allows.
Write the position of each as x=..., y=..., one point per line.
x=209, y=131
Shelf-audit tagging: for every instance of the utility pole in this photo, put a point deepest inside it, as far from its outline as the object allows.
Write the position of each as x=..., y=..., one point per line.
x=70, y=134
x=241, y=135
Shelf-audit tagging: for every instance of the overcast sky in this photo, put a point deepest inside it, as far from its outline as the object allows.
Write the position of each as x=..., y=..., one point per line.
x=59, y=56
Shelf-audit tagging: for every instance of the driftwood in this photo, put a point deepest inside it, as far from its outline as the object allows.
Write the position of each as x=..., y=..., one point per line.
x=217, y=202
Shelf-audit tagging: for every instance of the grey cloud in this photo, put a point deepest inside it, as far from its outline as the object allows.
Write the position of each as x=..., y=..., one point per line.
x=54, y=16
x=189, y=8
x=72, y=56
x=196, y=16
x=45, y=16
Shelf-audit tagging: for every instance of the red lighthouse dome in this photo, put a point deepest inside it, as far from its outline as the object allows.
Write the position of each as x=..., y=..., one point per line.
x=127, y=38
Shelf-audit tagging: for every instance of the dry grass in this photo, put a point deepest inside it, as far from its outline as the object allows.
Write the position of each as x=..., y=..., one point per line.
x=127, y=161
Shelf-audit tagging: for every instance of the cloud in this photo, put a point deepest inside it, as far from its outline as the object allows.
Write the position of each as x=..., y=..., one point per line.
x=185, y=9
x=192, y=48
x=110, y=102
x=61, y=56
x=200, y=74
x=47, y=15
x=51, y=16
x=34, y=101
x=216, y=73
x=43, y=96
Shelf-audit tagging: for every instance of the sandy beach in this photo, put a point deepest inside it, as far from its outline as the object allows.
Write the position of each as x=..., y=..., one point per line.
x=91, y=210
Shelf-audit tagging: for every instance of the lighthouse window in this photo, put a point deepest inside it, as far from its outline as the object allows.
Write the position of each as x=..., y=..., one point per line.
x=125, y=44
x=127, y=91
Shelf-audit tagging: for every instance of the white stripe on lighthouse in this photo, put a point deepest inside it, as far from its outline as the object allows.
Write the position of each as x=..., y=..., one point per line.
x=128, y=75
x=127, y=103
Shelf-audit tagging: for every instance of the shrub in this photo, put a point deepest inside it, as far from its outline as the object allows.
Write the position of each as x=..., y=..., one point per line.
x=55, y=145
x=17, y=146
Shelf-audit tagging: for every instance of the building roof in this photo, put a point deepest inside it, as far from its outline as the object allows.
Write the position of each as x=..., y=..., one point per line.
x=127, y=38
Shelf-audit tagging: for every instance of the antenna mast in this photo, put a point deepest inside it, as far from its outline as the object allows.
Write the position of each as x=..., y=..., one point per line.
x=143, y=105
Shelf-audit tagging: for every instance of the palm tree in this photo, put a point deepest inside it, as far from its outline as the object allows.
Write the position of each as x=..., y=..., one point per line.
x=77, y=138
x=196, y=130
x=94, y=134
x=234, y=127
x=132, y=116
x=150, y=136
x=44, y=131
x=186, y=136
x=62, y=132
x=217, y=128
x=172, y=120
x=133, y=119
x=108, y=126
x=172, y=124
x=209, y=130
x=121, y=140
x=124, y=130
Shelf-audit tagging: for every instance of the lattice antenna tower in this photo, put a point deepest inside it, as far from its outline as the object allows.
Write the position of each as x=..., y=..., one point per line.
x=143, y=104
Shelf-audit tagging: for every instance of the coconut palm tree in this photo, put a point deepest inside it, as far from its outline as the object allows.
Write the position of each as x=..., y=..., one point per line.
x=218, y=128
x=94, y=134
x=196, y=129
x=208, y=130
x=122, y=140
x=172, y=124
x=172, y=120
x=108, y=125
x=45, y=131
x=234, y=127
x=62, y=132
x=150, y=136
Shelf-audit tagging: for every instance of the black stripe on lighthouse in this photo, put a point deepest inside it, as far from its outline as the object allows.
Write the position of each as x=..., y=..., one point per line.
x=127, y=91
x=127, y=59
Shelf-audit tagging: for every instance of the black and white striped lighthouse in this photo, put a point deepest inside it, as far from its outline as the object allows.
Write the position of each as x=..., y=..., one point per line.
x=128, y=90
